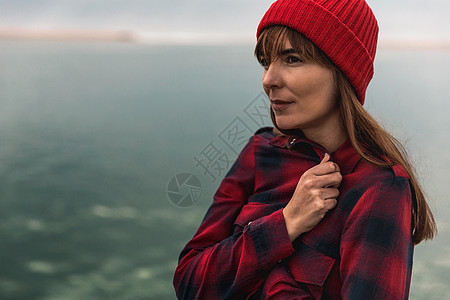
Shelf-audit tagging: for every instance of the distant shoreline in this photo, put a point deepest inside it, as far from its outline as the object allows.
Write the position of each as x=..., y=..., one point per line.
x=180, y=39
x=67, y=35
x=398, y=44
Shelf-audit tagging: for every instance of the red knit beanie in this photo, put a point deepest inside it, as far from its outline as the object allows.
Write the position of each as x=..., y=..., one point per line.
x=345, y=30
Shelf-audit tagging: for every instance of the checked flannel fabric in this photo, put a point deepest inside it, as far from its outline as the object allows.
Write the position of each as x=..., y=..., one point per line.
x=362, y=249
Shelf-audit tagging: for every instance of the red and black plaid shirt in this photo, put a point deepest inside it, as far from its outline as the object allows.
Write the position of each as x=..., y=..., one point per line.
x=362, y=249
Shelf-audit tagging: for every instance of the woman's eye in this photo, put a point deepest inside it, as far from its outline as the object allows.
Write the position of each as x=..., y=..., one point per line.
x=263, y=62
x=293, y=59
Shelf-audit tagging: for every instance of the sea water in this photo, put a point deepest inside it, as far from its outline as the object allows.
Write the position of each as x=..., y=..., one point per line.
x=95, y=137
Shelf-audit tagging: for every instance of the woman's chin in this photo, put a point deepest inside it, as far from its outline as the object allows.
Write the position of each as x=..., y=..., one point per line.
x=286, y=125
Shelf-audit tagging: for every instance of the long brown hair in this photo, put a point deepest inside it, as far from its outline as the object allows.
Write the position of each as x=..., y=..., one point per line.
x=369, y=139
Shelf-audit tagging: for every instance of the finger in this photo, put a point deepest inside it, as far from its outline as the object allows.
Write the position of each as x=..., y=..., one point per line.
x=328, y=180
x=335, y=180
x=329, y=193
x=330, y=204
x=325, y=158
x=325, y=168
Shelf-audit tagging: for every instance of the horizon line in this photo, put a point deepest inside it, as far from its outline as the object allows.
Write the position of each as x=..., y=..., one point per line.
x=186, y=38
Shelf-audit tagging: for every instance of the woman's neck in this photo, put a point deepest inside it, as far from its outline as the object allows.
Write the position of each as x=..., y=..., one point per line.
x=329, y=138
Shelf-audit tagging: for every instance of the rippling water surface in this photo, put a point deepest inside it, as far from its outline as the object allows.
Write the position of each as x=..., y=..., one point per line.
x=91, y=135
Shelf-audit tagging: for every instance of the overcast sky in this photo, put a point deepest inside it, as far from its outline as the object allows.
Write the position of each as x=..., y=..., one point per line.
x=207, y=19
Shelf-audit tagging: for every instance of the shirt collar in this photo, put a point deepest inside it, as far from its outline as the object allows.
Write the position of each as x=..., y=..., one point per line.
x=345, y=156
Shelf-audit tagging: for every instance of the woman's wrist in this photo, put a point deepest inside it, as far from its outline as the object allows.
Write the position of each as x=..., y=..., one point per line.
x=292, y=228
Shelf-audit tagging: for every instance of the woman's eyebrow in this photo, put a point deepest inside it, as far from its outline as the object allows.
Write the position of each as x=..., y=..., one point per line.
x=288, y=51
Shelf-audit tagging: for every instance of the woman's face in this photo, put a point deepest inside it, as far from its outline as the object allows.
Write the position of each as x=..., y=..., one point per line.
x=302, y=94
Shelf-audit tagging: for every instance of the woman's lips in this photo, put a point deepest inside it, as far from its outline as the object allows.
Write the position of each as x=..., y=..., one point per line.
x=280, y=104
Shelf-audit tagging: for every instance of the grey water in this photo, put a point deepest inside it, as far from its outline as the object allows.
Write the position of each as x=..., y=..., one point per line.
x=91, y=134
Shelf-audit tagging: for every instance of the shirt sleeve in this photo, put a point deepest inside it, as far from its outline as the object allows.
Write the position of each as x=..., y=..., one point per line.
x=376, y=245
x=220, y=263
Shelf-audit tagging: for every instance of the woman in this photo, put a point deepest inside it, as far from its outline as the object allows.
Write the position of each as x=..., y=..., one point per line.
x=326, y=204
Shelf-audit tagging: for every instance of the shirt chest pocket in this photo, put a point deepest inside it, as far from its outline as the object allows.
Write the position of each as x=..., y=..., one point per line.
x=310, y=268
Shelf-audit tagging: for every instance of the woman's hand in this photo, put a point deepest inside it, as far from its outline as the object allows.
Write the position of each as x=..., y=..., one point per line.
x=314, y=196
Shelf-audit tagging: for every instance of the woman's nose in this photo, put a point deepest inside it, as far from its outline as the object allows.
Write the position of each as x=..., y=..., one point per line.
x=271, y=76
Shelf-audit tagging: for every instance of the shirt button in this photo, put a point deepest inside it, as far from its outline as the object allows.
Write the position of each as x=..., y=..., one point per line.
x=249, y=223
x=292, y=141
